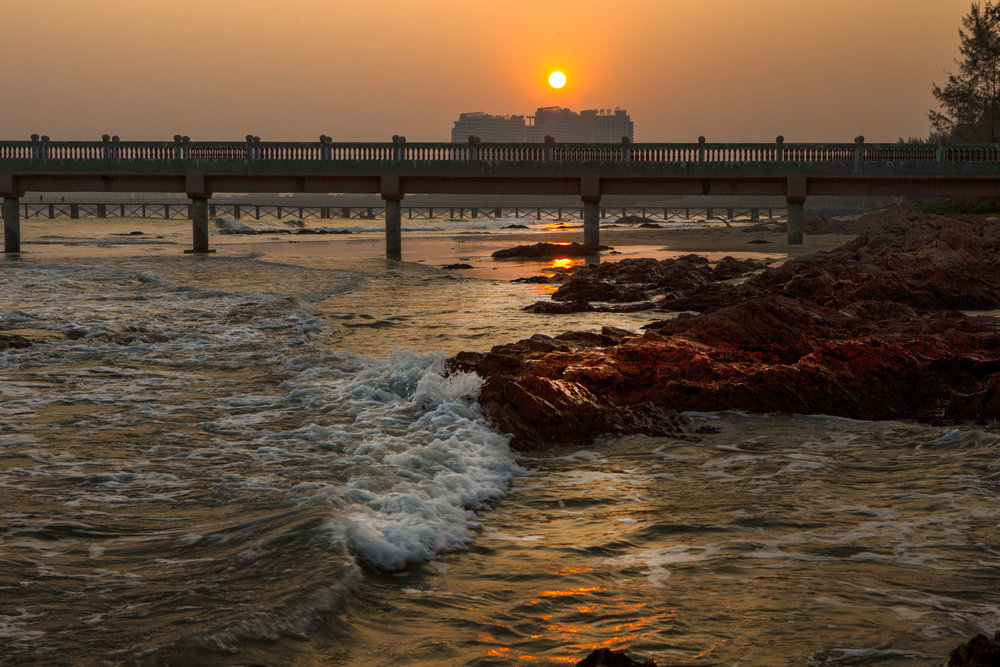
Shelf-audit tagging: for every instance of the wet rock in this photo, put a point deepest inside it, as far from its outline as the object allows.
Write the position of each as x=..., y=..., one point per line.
x=457, y=266
x=771, y=354
x=540, y=280
x=980, y=651
x=635, y=281
x=651, y=225
x=728, y=268
x=633, y=219
x=757, y=241
x=13, y=342
x=605, y=657
x=515, y=227
x=549, y=251
x=632, y=307
x=926, y=262
x=583, y=288
x=558, y=307
x=311, y=230
x=706, y=297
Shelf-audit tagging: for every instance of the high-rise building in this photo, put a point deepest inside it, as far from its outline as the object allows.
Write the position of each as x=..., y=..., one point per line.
x=489, y=128
x=564, y=125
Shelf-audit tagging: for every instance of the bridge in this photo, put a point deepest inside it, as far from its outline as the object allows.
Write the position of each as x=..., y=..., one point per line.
x=394, y=169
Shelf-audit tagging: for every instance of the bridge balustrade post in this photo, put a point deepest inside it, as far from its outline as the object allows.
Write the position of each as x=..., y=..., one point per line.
x=939, y=153
x=35, y=150
x=106, y=146
x=178, y=148
x=701, y=149
x=779, y=149
x=12, y=223
x=859, y=154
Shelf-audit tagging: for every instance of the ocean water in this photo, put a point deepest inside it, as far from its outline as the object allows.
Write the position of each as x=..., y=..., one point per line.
x=259, y=458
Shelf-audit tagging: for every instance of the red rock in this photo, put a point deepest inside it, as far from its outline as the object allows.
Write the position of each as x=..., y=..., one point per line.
x=869, y=331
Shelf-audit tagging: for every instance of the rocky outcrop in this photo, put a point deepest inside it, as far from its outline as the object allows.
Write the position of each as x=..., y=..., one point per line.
x=923, y=261
x=771, y=354
x=867, y=331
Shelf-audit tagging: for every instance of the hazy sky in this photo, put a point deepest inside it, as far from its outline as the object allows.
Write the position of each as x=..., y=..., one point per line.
x=732, y=70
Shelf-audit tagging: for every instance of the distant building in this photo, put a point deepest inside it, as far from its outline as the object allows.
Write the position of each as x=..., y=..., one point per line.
x=488, y=128
x=564, y=125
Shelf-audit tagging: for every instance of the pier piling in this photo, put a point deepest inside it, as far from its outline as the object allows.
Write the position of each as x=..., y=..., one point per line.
x=591, y=223
x=393, y=229
x=795, y=195
x=11, y=223
x=392, y=193
x=796, y=214
x=199, y=226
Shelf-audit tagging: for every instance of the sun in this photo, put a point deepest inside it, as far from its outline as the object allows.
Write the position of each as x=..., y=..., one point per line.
x=557, y=79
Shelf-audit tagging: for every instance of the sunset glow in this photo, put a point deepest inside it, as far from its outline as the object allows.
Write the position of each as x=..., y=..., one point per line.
x=874, y=89
x=557, y=79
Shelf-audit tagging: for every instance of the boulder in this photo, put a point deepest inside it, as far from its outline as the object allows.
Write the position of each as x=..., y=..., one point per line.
x=980, y=651
x=549, y=251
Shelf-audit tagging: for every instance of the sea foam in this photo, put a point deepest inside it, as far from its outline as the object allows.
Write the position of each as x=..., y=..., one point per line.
x=429, y=457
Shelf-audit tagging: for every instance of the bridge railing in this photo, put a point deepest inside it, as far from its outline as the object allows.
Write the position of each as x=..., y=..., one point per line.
x=43, y=150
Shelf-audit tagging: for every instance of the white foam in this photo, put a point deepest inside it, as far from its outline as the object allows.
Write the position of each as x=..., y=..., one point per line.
x=431, y=458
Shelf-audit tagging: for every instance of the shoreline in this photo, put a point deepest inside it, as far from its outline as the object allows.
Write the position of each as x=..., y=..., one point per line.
x=113, y=237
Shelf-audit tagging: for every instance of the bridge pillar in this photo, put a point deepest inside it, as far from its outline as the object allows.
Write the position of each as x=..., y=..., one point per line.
x=590, y=193
x=392, y=193
x=11, y=223
x=796, y=215
x=394, y=229
x=199, y=226
x=592, y=223
x=795, y=195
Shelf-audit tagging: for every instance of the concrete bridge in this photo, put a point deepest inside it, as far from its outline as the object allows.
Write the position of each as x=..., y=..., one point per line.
x=393, y=170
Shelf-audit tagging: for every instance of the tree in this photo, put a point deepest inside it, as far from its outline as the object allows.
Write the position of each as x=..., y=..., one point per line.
x=970, y=101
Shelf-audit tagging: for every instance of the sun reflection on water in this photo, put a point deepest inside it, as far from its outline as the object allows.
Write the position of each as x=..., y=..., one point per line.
x=582, y=635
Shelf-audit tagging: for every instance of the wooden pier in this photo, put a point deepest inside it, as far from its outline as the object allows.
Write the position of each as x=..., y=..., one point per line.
x=393, y=170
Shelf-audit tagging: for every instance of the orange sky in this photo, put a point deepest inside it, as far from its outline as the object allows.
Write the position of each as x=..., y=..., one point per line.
x=732, y=70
